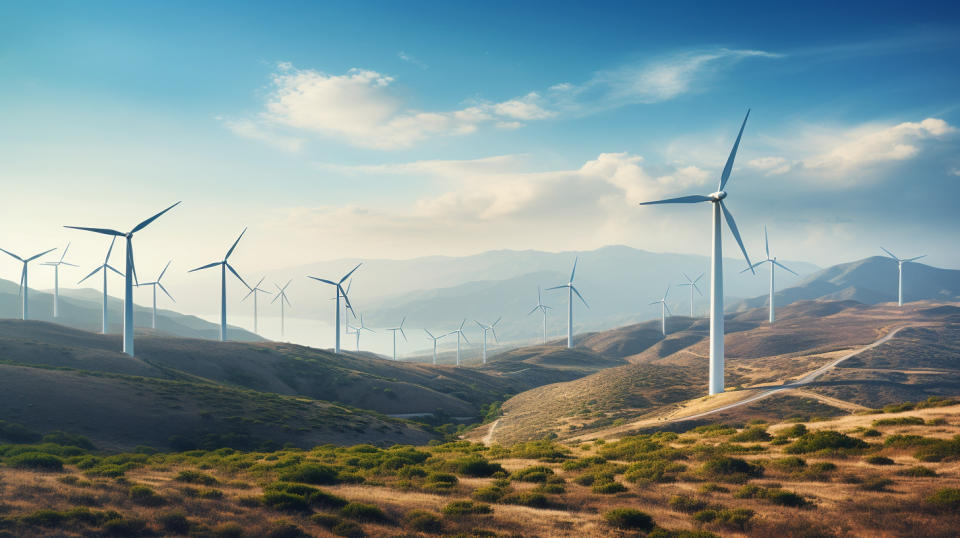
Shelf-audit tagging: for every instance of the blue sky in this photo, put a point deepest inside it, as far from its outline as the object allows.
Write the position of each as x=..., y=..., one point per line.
x=398, y=129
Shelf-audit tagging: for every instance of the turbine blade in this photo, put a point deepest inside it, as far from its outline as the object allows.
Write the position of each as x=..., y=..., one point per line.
x=109, y=250
x=654, y=302
x=665, y=293
x=325, y=281
x=495, y=322
x=114, y=269
x=144, y=224
x=681, y=200
x=284, y=288
x=249, y=293
x=236, y=274
x=698, y=278
x=70, y=264
x=666, y=306
x=698, y=289
x=279, y=296
x=258, y=284
x=95, y=271
x=346, y=276
x=345, y=298
x=35, y=256
x=430, y=334
x=782, y=266
x=209, y=265
x=736, y=233
x=733, y=154
x=575, y=260
x=558, y=287
x=480, y=325
x=133, y=266
x=686, y=277
x=494, y=331
x=915, y=259
x=766, y=240
x=584, y=301
x=106, y=231
x=890, y=253
x=229, y=252
x=464, y=336
x=758, y=264
x=65, y=249
x=12, y=254
x=534, y=309
x=461, y=323
x=167, y=292
x=403, y=334
x=164, y=271
x=287, y=300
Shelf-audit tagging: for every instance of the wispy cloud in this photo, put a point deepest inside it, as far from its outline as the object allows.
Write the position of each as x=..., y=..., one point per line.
x=409, y=58
x=255, y=131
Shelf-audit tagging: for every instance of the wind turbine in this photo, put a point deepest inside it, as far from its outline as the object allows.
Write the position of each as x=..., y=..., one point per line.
x=130, y=274
x=570, y=291
x=693, y=286
x=716, y=267
x=543, y=308
x=486, y=328
x=24, y=288
x=156, y=283
x=106, y=265
x=56, y=279
x=356, y=331
x=224, y=265
x=773, y=265
x=282, y=296
x=394, y=330
x=459, y=333
x=664, y=309
x=435, y=338
x=253, y=292
x=900, y=262
x=340, y=292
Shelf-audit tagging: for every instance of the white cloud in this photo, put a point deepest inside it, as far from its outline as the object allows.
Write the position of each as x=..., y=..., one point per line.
x=409, y=58
x=955, y=171
x=253, y=131
x=770, y=165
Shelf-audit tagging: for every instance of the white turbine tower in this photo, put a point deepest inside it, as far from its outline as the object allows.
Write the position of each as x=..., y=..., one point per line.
x=356, y=331
x=394, y=331
x=130, y=275
x=773, y=265
x=56, y=279
x=716, y=269
x=224, y=266
x=24, y=288
x=282, y=296
x=155, y=284
x=435, y=338
x=900, y=262
x=459, y=333
x=486, y=328
x=543, y=308
x=693, y=286
x=570, y=291
x=253, y=291
x=340, y=292
x=106, y=265
x=664, y=309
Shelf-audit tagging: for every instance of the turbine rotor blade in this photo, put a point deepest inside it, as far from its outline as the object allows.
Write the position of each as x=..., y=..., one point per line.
x=733, y=154
x=680, y=200
x=890, y=253
x=65, y=249
x=209, y=265
x=430, y=334
x=144, y=224
x=558, y=287
x=325, y=281
x=114, y=269
x=766, y=240
x=106, y=231
x=91, y=274
x=346, y=276
x=733, y=228
x=915, y=259
x=782, y=266
x=164, y=271
x=575, y=260
x=580, y=296
x=229, y=252
x=236, y=274
x=12, y=254
x=109, y=250
x=167, y=292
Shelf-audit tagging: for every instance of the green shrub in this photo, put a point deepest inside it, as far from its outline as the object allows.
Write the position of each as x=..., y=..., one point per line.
x=144, y=496
x=228, y=530
x=17, y=433
x=629, y=518
x=462, y=508
x=66, y=439
x=876, y=483
x=526, y=498
x=364, y=512
x=714, y=430
x=711, y=487
x=787, y=464
x=871, y=433
x=282, y=529
x=311, y=473
x=476, y=466
x=946, y=499
x=196, y=477
x=734, y=519
x=411, y=471
x=608, y=488
x=552, y=488
x=37, y=461
x=423, y=521
x=349, y=529
x=326, y=520
x=287, y=502
x=725, y=468
x=686, y=503
x=537, y=473
x=785, y=498
x=174, y=522
x=879, y=460
x=210, y=494
x=125, y=527
x=752, y=435
x=793, y=431
x=654, y=470
x=939, y=450
x=824, y=440
x=490, y=494
x=582, y=463
x=918, y=471
x=898, y=421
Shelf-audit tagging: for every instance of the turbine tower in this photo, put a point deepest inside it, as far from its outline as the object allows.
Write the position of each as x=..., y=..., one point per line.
x=570, y=291
x=356, y=331
x=253, y=292
x=664, y=309
x=543, y=308
x=24, y=288
x=394, y=330
x=224, y=266
x=282, y=296
x=693, y=286
x=56, y=279
x=900, y=262
x=106, y=265
x=716, y=266
x=773, y=265
x=435, y=338
x=486, y=328
x=340, y=293
x=155, y=284
x=130, y=275
x=459, y=333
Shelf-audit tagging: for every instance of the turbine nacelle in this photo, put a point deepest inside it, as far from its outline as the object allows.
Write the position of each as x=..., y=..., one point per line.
x=717, y=196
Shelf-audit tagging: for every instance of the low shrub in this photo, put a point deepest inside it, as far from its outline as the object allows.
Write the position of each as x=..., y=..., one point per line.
x=144, y=496
x=411, y=471
x=196, y=477
x=629, y=518
x=788, y=464
x=687, y=503
x=730, y=518
x=37, y=461
x=282, y=529
x=364, y=512
x=793, y=431
x=946, y=499
x=174, y=522
x=423, y=521
x=349, y=529
x=537, y=473
x=462, y=508
x=711, y=487
x=752, y=435
x=785, y=498
x=879, y=460
x=939, y=450
x=655, y=470
x=125, y=527
x=918, y=471
x=898, y=421
x=824, y=440
x=582, y=463
x=526, y=498
x=727, y=469
x=476, y=466
x=608, y=488
x=875, y=483
x=311, y=473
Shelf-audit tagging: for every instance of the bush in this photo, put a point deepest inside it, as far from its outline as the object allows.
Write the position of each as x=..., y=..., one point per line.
x=656, y=470
x=66, y=439
x=876, y=483
x=287, y=502
x=311, y=473
x=422, y=521
x=582, y=463
x=629, y=518
x=299, y=497
x=711, y=487
x=751, y=435
x=195, y=477
x=537, y=473
x=871, y=433
x=729, y=469
x=824, y=440
x=947, y=499
x=37, y=461
x=490, y=494
x=228, y=530
x=788, y=464
x=17, y=433
x=898, y=421
x=144, y=496
x=879, y=460
x=348, y=529
x=918, y=471
x=476, y=466
x=686, y=503
x=785, y=498
x=735, y=518
x=286, y=530
x=364, y=512
x=462, y=508
x=174, y=522
x=793, y=431
x=411, y=471
x=939, y=450
x=608, y=488
x=125, y=527
x=526, y=498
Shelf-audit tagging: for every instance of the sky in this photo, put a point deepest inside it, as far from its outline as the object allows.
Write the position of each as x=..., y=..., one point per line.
x=400, y=129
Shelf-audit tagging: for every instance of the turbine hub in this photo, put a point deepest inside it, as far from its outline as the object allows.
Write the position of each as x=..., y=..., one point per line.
x=717, y=196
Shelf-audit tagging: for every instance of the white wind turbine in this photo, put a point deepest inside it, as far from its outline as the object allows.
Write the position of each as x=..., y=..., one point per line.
x=716, y=269
x=900, y=262
x=693, y=286
x=24, y=288
x=253, y=291
x=340, y=292
x=543, y=308
x=282, y=297
x=570, y=291
x=773, y=265
x=155, y=284
x=356, y=330
x=56, y=279
x=224, y=266
x=486, y=328
x=106, y=265
x=130, y=275
x=435, y=339
x=394, y=331
x=664, y=309
x=459, y=333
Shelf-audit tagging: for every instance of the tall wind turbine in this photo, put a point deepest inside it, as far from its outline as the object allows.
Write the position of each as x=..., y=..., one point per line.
x=24, y=288
x=716, y=267
x=340, y=293
x=543, y=308
x=900, y=262
x=773, y=265
x=282, y=296
x=358, y=329
x=56, y=279
x=155, y=284
x=693, y=286
x=394, y=330
x=256, y=289
x=486, y=328
x=664, y=309
x=459, y=333
x=224, y=266
x=570, y=291
x=435, y=339
x=130, y=274
x=106, y=265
